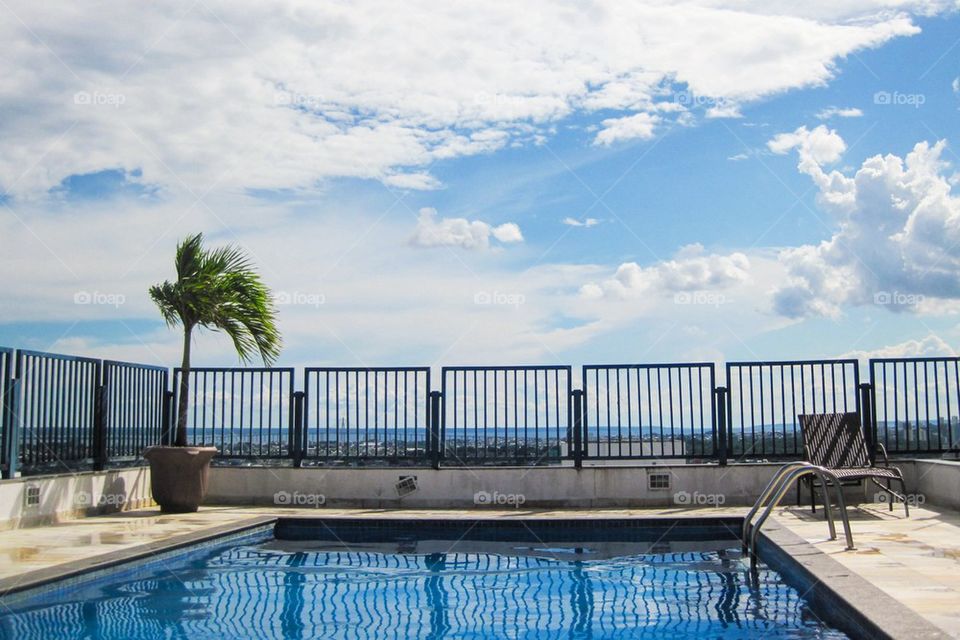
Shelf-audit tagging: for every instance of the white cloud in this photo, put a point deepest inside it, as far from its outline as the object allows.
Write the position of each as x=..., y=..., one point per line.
x=837, y=112
x=729, y=110
x=284, y=96
x=586, y=222
x=432, y=231
x=930, y=346
x=738, y=157
x=640, y=126
x=816, y=148
x=691, y=269
x=956, y=85
x=897, y=229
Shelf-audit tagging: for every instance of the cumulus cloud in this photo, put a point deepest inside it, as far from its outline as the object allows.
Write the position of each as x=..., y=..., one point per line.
x=930, y=346
x=432, y=231
x=261, y=96
x=815, y=148
x=896, y=238
x=691, y=269
x=614, y=130
x=837, y=112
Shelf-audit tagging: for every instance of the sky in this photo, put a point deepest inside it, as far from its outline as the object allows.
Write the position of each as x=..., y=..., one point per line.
x=489, y=183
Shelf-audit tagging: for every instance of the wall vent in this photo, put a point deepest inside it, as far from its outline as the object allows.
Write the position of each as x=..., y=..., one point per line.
x=658, y=481
x=32, y=497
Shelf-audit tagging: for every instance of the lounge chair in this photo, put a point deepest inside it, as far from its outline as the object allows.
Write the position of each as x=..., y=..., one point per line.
x=835, y=441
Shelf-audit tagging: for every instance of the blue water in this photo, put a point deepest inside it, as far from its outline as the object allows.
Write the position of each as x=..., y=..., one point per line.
x=263, y=588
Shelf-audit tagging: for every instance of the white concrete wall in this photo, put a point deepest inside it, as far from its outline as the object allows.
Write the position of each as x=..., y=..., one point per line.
x=690, y=485
x=935, y=481
x=74, y=495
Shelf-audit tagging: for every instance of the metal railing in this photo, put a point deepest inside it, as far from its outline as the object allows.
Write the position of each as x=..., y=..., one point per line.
x=133, y=397
x=366, y=414
x=8, y=412
x=58, y=405
x=503, y=415
x=765, y=398
x=245, y=412
x=66, y=413
x=640, y=411
x=916, y=402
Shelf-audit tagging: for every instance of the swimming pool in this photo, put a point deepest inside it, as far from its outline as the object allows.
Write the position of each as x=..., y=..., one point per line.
x=435, y=579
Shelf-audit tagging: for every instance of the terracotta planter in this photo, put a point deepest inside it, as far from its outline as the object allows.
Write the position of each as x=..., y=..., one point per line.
x=178, y=476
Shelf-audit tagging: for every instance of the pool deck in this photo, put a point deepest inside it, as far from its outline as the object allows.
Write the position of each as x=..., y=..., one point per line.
x=916, y=561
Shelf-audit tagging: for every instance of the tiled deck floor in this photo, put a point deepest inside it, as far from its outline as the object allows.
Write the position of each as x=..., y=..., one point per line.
x=916, y=560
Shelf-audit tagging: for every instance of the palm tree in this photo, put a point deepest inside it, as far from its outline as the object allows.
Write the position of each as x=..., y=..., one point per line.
x=217, y=289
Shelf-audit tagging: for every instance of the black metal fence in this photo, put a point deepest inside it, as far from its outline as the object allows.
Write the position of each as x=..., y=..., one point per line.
x=65, y=413
x=916, y=402
x=645, y=411
x=495, y=415
x=765, y=398
x=247, y=413
x=133, y=401
x=366, y=414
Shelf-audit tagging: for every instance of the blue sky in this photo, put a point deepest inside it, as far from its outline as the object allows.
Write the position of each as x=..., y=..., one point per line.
x=412, y=210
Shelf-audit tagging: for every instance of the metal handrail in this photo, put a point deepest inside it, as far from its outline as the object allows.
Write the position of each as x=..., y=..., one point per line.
x=771, y=485
x=782, y=481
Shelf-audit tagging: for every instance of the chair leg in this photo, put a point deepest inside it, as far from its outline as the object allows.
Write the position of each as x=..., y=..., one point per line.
x=813, y=497
x=906, y=498
x=890, y=503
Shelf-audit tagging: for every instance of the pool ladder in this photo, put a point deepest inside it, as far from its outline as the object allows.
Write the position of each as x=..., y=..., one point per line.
x=777, y=488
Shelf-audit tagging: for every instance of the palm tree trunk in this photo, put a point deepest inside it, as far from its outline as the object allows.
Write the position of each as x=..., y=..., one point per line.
x=182, y=407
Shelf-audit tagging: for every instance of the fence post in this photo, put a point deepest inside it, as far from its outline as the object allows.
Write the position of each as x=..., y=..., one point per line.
x=577, y=428
x=720, y=394
x=166, y=418
x=10, y=421
x=867, y=422
x=434, y=440
x=100, y=428
x=299, y=432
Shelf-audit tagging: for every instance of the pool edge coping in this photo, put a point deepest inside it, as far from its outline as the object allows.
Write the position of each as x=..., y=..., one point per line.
x=75, y=568
x=847, y=599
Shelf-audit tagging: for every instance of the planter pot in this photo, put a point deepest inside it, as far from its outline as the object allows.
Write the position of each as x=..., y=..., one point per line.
x=178, y=476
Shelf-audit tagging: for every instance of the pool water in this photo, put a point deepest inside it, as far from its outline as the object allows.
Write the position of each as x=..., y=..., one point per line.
x=261, y=587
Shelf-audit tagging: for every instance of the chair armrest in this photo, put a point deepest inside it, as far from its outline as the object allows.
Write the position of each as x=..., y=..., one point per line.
x=883, y=451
